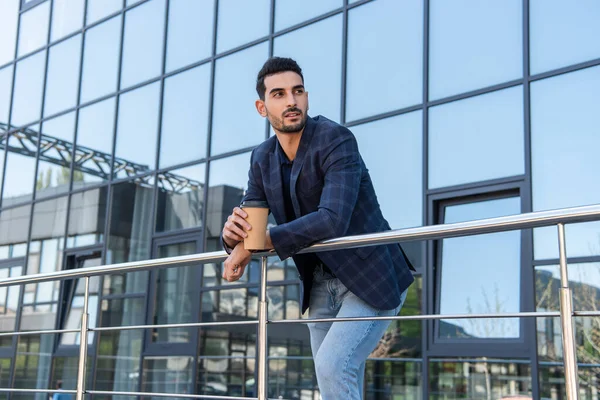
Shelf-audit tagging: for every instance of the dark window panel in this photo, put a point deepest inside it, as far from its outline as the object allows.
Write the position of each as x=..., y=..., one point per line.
x=87, y=217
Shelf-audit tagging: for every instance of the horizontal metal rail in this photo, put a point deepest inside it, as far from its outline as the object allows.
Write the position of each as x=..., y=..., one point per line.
x=491, y=225
x=500, y=224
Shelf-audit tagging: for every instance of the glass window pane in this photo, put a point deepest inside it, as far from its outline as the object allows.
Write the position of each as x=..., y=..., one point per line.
x=185, y=116
x=19, y=173
x=486, y=131
x=14, y=229
x=571, y=44
x=29, y=83
x=321, y=65
x=9, y=9
x=87, y=217
x=33, y=31
x=241, y=22
x=168, y=374
x=176, y=290
x=33, y=362
x=118, y=360
x=101, y=60
x=287, y=13
x=397, y=378
x=143, y=43
x=564, y=161
x=65, y=370
x=137, y=130
x=473, y=282
x=395, y=78
x=228, y=178
x=94, y=143
x=473, y=44
x=67, y=17
x=62, y=83
x=6, y=78
x=480, y=379
x=97, y=9
x=129, y=233
x=239, y=126
x=56, y=149
x=190, y=32
x=402, y=206
x=9, y=303
x=180, y=198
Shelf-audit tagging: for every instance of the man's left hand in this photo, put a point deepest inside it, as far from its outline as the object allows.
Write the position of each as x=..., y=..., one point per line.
x=235, y=264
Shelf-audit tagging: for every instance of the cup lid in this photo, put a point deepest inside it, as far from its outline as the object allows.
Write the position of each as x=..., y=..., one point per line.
x=255, y=203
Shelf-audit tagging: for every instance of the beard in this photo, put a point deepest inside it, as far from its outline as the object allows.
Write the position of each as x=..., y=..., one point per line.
x=280, y=125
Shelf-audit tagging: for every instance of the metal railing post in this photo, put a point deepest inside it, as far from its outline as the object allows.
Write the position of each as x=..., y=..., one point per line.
x=261, y=351
x=566, y=319
x=83, y=345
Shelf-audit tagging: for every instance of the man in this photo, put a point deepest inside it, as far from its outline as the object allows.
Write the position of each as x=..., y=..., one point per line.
x=317, y=187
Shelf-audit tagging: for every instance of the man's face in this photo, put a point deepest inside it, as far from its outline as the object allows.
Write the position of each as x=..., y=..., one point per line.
x=285, y=103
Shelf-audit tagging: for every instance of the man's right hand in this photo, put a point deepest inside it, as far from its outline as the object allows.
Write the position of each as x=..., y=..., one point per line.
x=233, y=230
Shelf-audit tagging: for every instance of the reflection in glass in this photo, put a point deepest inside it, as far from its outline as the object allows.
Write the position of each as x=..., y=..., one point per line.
x=473, y=45
x=32, y=364
x=168, y=374
x=401, y=204
x=20, y=169
x=180, y=198
x=87, y=215
x=6, y=77
x=278, y=270
x=385, y=44
x=9, y=9
x=101, y=60
x=137, y=130
x=128, y=236
x=54, y=166
x=232, y=375
x=9, y=299
x=190, y=32
x=573, y=43
x=252, y=16
x=62, y=82
x=119, y=352
x=29, y=82
x=284, y=302
x=564, y=162
x=485, y=131
x=14, y=229
x=239, y=126
x=288, y=13
x=143, y=43
x=97, y=9
x=230, y=305
x=480, y=274
x=552, y=381
x=176, y=289
x=396, y=378
x=5, y=369
x=479, y=379
x=321, y=65
x=185, y=116
x=67, y=17
x=33, y=30
x=94, y=143
x=65, y=369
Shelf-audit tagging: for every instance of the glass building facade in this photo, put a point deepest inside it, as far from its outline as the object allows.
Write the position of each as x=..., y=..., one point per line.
x=125, y=134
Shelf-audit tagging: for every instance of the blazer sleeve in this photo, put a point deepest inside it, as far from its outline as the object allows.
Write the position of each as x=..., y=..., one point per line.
x=342, y=175
x=255, y=191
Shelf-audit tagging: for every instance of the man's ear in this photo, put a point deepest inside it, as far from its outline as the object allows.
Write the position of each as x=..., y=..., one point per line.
x=260, y=107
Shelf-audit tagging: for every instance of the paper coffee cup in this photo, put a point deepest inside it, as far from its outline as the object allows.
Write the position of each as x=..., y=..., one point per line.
x=258, y=212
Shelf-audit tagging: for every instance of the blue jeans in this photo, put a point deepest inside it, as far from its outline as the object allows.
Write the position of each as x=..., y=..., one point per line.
x=340, y=349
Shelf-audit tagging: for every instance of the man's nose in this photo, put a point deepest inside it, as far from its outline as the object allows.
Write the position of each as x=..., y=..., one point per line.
x=291, y=100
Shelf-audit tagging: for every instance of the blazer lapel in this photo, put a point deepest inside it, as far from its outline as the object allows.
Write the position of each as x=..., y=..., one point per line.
x=307, y=135
x=276, y=189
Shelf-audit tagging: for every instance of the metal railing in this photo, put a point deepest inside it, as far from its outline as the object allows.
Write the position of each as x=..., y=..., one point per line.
x=501, y=224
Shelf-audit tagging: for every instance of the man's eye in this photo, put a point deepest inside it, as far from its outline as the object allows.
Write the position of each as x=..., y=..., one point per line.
x=278, y=94
x=299, y=91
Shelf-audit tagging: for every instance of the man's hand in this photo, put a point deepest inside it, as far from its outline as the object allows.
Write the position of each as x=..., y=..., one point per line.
x=235, y=264
x=233, y=230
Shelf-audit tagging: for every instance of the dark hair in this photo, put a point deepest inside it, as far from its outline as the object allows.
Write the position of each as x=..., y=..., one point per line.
x=275, y=65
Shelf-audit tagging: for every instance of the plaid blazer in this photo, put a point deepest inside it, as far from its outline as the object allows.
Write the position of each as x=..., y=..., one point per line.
x=332, y=195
